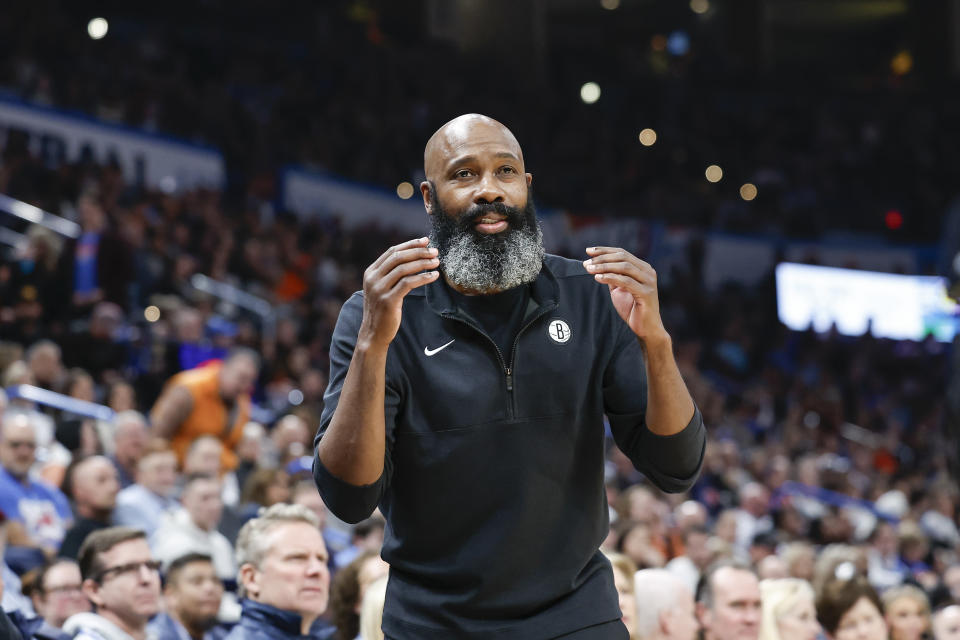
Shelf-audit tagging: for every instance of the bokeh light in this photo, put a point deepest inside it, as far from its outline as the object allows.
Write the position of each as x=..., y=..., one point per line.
x=610, y=5
x=748, y=191
x=648, y=137
x=151, y=313
x=97, y=28
x=699, y=6
x=405, y=190
x=590, y=92
x=714, y=173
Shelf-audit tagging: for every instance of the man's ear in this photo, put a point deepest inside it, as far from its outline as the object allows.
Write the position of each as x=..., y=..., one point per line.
x=248, y=578
x=529, y=178
x=703, y=615
x=427, y=200
x=91, y=589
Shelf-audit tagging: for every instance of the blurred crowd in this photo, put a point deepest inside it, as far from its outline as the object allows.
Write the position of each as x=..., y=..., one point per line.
x=824, y=155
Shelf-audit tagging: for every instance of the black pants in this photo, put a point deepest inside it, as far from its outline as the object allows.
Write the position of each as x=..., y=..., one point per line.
x=613, y=630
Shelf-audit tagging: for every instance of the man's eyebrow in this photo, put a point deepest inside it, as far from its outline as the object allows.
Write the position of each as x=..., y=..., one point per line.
x=472, y=158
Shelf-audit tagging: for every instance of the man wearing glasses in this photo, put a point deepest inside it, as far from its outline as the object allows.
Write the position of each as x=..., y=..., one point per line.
x=122, y=581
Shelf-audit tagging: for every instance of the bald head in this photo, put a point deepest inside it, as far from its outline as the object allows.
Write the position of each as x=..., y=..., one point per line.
x=461, y=136
x=94, y=484
x=665, y=607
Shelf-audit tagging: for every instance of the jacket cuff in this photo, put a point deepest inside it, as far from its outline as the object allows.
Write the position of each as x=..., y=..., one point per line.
x=349, y=502
x=679, y=455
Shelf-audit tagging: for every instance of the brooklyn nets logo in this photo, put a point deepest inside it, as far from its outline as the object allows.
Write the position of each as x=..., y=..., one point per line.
x=559, y=331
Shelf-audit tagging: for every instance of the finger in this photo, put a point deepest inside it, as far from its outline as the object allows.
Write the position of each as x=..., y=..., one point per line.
x=625, y=282
x=407, y=255
x=624, y=268
x=408, y=283
x=416, y=242
x=386, y=281
x=597, y=251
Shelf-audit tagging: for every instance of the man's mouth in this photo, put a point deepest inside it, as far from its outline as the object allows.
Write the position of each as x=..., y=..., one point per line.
x=491, y=223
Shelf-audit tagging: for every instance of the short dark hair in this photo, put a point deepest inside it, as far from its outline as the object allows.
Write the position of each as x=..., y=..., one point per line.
x=705, y=592
x=38, y=587
x=179, y=564
x=197, y=477
x=838, y=596
x=98, y=543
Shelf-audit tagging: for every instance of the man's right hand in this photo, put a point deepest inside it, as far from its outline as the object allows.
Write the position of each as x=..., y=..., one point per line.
x=385, y=283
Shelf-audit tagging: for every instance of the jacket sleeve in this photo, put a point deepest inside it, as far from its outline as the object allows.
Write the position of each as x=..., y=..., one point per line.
x=672, y=462
x=349, y=502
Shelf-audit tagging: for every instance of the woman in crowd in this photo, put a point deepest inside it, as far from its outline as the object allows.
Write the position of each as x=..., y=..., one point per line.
x=623, y=572
x=371, y=611
x=348, y=589
x=787, y=610
x=849, y=609
x=906, y=610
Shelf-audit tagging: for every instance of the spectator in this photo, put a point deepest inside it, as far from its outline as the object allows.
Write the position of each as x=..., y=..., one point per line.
x=849, y=609
x=98, y=262
x=788, y=611
x=367, y=535
x=94, y=487
x=371, y=611
x=97, y=350
x=290, y=438
x=57, y=593
x=728, y=602
x=347, y=591
x=194, y=528
x=130, y=438
x=122, y=581
x=946, y=623
x=44, y=359
x=305, y=493
x=665, y=607
x=906, y=610
x=623, y=579
x=192, y=593
x=205, y=455
x=696, y=557
x=11, y=596
x=753, y=516
x=42, y=509
x=799, y=558
x=213, y=399
x=283, y=575
x=143, y=505
x=772, y=567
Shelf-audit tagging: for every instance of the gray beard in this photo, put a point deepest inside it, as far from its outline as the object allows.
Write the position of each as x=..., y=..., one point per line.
x=488, y=264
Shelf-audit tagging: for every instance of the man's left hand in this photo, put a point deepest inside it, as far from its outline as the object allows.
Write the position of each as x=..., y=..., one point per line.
x=633, y=290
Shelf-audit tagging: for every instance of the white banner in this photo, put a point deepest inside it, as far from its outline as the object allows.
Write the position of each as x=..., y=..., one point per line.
x=155, y=160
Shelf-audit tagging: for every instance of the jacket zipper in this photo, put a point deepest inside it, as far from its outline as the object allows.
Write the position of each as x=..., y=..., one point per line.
x=507, y=371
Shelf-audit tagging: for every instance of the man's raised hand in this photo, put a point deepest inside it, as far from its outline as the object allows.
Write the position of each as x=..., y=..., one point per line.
x=392, y=276
x=633, y=289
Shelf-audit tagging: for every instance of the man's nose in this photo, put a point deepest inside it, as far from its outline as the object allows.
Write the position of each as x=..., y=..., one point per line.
x=488, y=190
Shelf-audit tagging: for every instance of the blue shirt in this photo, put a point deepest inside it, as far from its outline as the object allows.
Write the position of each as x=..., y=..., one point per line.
x=85, y=263
x=43, y=509
x=164, y=627
x=139, y=507
x=263, y=622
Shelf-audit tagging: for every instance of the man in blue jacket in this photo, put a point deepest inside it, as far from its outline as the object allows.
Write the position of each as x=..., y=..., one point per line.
x=469, y=382
x=283, y=577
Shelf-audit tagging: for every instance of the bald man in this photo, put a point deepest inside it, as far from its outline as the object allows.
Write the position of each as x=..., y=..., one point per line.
x=468, y=386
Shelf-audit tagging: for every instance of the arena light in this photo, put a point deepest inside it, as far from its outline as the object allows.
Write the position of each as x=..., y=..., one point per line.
x=610, y=5
x=748, y=191
x=714, y=173
x=295, y=397
x=405, y=190
x=648, y=137
x=97, y=28
x=699, y=6
x=590, y=92
x=151, y=313
x=902, y=63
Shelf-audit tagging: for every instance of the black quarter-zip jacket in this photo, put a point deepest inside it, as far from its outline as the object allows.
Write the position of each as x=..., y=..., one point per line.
x=493, y=478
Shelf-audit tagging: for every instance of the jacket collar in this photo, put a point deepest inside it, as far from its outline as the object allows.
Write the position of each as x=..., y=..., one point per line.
x=543, y=292
x=261, y=614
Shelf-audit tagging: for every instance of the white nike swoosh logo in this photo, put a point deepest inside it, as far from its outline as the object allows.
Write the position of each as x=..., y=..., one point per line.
x=429, y=352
